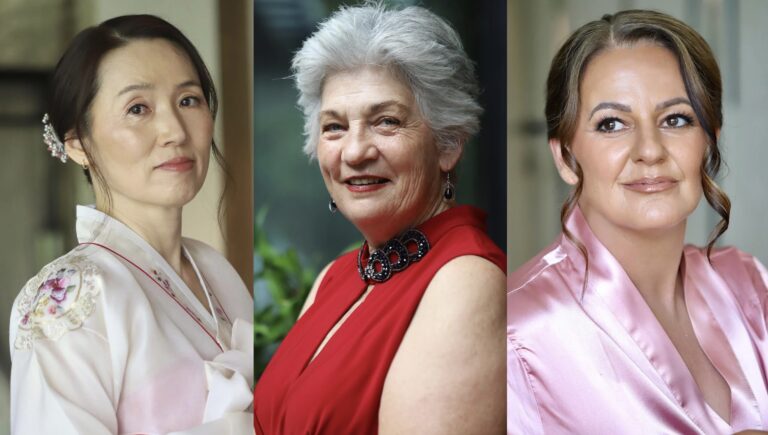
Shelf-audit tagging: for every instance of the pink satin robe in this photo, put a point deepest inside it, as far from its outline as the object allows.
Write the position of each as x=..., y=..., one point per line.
x=595, y=360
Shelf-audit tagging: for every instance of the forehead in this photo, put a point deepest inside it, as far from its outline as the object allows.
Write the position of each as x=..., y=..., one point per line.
x=153, y=61
x=641, y=71
x=364, y=86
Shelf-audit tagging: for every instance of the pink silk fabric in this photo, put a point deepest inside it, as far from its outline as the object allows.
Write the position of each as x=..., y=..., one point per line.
x=594, y=359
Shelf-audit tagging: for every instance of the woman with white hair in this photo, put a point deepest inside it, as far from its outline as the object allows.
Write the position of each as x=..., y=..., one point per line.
x=406, y=334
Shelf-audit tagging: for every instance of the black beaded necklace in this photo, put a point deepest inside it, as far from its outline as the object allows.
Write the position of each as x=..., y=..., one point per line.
x=387, y=265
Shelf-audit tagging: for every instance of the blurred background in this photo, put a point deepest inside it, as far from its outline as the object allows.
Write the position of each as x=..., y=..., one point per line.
x=733, y=28
x=39, y=193
x=296, y=236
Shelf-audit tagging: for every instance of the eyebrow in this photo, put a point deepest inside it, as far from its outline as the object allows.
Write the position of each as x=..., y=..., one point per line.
x=624, y=108
x=672, y=102
x=374, y=108
x=610, y=105
x=141, y=86
x=378, y=107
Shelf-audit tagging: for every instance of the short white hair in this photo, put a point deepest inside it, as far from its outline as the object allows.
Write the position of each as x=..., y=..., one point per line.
x=420, y=46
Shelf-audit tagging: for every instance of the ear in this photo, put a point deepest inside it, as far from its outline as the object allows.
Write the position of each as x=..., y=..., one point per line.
x=450, y=158
x=74, y=148
x=565, y=172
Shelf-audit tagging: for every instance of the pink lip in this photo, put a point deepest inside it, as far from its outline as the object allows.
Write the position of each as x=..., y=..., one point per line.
x=362, y=188
x=177, y=164
x=651, y=184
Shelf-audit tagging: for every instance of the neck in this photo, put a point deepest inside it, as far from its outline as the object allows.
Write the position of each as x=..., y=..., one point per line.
x=158, y=226
x=650, y=258
x=380, y=234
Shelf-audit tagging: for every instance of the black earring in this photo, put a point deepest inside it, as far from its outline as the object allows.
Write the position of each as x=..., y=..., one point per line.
x=449, y=193
x=332, y=206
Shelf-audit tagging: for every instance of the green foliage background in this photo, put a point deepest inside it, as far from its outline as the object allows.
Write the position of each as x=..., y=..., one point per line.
x=287, y=282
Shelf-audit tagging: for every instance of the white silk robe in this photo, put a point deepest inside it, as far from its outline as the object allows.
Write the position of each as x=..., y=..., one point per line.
x=594, y=359
x=108, y=339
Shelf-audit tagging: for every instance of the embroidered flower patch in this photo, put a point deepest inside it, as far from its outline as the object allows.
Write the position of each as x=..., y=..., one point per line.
x=57, y=300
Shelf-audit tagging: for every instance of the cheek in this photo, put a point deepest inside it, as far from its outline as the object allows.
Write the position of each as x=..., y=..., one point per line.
x=601, y=167
x=327, y=159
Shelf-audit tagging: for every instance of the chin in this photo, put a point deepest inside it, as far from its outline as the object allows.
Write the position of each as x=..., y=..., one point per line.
x=658, y=219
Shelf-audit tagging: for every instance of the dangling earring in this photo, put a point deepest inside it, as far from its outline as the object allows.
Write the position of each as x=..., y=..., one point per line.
x=332, y=206
x=448, y=194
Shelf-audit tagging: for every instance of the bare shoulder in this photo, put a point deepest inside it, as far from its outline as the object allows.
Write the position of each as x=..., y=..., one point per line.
x=448, y=374
x=313, y=292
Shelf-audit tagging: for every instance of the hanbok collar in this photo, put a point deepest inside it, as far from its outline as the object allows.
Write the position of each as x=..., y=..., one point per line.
x=610, y=298
x=96, y=227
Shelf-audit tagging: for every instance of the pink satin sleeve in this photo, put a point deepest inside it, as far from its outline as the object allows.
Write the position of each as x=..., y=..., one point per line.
x=522, y=411
x=759, y=275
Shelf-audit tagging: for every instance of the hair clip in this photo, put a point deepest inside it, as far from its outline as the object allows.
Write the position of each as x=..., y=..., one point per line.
x=55, y=146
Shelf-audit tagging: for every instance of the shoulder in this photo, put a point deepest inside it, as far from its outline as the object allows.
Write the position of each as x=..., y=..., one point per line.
x=736, y=267
x=205, y=253
x=60, y=298
x=548, y=283
x=529, y=273
x=430, y=388
x=210, y=259
x=465, y=277
x=471, y=240
x=225, y=282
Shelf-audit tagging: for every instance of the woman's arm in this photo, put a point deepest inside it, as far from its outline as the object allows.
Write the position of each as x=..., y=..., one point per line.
x=448, y=374
x=63, y=386
x=61, y=368
x=522, y=410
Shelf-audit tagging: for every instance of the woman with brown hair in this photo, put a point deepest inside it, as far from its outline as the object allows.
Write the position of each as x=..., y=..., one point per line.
x=618, y=326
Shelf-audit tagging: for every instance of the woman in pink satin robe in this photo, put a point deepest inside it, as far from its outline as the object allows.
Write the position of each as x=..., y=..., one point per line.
x=618, y=327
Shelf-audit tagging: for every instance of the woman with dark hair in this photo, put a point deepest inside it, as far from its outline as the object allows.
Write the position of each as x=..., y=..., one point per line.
x=137, y=329
x=618, y=326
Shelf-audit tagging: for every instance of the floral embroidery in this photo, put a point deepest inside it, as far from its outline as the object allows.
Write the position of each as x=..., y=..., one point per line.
x=57, y=300
x=162, y=280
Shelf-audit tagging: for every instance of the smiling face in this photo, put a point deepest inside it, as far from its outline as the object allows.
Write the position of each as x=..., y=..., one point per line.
x=377, y=155
x=151, y=128
x=638, y=142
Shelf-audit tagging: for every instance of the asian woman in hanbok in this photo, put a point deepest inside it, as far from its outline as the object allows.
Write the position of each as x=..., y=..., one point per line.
x=136, y=329
x=618, y=327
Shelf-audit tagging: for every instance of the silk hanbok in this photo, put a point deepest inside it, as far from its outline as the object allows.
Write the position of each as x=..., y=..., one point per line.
x=109, y=339
x=593, y=359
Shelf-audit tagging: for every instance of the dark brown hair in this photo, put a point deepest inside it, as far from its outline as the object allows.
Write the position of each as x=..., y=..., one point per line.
x=75, y=80
x=698, y=68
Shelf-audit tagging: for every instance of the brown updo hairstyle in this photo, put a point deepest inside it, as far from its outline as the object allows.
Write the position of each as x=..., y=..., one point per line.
x=698, y=68
x=75, y=80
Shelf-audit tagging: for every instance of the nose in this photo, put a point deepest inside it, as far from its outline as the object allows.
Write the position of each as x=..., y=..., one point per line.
x=171, y=128
x=359, y=145
x=648, y=146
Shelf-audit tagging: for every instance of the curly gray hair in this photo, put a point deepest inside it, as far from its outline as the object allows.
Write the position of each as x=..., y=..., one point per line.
x=420, y=46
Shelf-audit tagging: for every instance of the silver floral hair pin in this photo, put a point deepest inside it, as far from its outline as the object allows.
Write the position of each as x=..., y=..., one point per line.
x=55, y=146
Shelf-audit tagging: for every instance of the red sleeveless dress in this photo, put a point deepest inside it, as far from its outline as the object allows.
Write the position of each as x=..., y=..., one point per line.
x=340, y=390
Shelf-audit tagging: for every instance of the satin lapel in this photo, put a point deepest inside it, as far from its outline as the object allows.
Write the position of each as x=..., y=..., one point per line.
x=719, y=324
x=616, y=306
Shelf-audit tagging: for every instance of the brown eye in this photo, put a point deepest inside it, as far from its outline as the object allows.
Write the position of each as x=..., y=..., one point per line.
x=678, y=121
x=190, y=101
x=610, y=125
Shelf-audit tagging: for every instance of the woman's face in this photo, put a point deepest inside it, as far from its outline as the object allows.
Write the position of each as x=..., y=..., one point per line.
x=637, y=140
x=151, y=129
x=377, y=154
